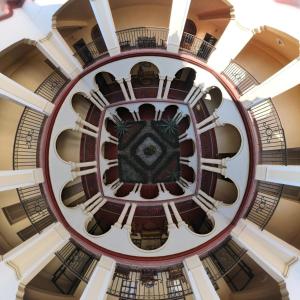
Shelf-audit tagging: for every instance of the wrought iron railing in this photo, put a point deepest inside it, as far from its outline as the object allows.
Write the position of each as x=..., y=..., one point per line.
x=77, y=260
x=220, y=261
x=196, y=46
x=149, y=284
x=271, y=135
x=143, y=37
x=239, y=77
x=36, y=207
x=267, y=198
x=26, y=151
x=91, y=52
x=52, y=85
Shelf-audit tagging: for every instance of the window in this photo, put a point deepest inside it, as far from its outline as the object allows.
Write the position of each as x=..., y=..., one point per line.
x=14, y=213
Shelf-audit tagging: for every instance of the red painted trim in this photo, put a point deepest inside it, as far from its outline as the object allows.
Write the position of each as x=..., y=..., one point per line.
x=11, y=5
x=169, y=259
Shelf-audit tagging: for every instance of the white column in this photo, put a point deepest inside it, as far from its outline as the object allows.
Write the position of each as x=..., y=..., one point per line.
x=82, y=122
x=214, y=124
x=11, y=90
x=207, y=120
x=160, y=86
x=100, y=280
x=279, y=259
x=199, y=280
x=14, y=179
x=289, y=175
x=57, y=48
x=106, y=24
x=221, y=162
x=178, y=218
x=23, y=263
x=233, y=40
x=59, y=54
x=167, y=88
x=168, y=216
x=119, y=223
x=85, y=131
x=130, y=216
x=283, y=80
x=218, y=170
x=130, y=88
x=78, y=173
x=121, y=83
x=179, y=12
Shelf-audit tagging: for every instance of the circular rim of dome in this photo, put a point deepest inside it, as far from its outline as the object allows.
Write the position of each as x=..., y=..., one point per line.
x=172, y=258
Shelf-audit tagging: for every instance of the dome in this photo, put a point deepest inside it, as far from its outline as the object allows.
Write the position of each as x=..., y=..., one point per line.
x=149, y=150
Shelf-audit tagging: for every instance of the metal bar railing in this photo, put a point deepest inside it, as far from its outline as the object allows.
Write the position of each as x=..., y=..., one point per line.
x=239, y=77
x=26, y=152
x=267, y=198
x=91, y=52
x=196, y=46
x=149, y=283
x=271, y=135
x=77, y=260
x=143, y=37
x=220, y=261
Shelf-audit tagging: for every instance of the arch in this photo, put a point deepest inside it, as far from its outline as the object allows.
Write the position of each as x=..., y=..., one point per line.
x=226, y=191
x=68, y=145
x=190, y=27
x=149, y=227
x=98, y=39
x=212, y=98
x=109, y=87
x=229, y=140
x=73, y=193
x=145, y=79
x=182, y=83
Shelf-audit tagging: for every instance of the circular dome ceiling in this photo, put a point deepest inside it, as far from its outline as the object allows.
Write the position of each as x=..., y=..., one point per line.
x=158, y=169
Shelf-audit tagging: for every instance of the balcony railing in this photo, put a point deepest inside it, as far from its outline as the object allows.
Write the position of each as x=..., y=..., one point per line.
x=267, y=198
x=149, y=284
x=26, y=151
x=91, y=52
x=77, y=260
x=226, y=262
x=271, y=135
x=239, y=77
x=196, y=46
x=143, y=37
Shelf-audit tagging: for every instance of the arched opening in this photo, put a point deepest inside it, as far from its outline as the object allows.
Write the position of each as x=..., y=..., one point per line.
x=226, y=191
x=145, y=79
x=73, y=193
x=182, y=83
x=149, y=227
x=194, y=217
x=109, y=87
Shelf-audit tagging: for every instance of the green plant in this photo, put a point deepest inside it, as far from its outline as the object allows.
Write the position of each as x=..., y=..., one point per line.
x=122, y=127
x=169, y=127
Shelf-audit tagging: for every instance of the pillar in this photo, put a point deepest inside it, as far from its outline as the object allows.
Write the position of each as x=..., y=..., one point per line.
x=210, y=126
x=233, y=40
x=130, y=216
x=160, y=86
x=23, y=263
x=14, y=179
x=178, y=218
x=121, y=83
x=82, y=122
x=179, y=12
x=289, y=175
x=100, y=280
x=167, y=88
x=199, y=280
x=218, y=170
x=85, y=131
x=55, y=48
x=119, y=223
x=279, y=259
x=283, y=80
x=11, y=90
x=106, y=24
x=130, y=88
x=168, y=216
